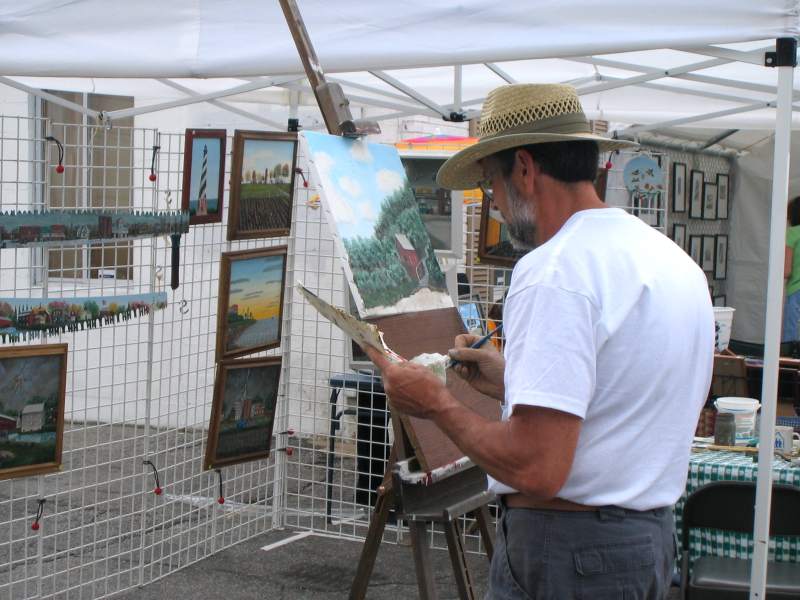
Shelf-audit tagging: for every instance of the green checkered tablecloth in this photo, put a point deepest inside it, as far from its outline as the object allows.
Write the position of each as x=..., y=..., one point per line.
x=705, y=467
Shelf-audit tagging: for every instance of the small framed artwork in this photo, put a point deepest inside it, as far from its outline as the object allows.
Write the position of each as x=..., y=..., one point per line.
x=709, y=247
x=709, y=201
x=723, y=194
x=494, y=244
x=250, y=306
x=203, y=175
x=721, y=257
x=243, y=411
x=696, y=198
x=696, y=248
x=679, y=188
x=679, y=235
x=262, y=184
x=32, y=390
x=719, y=300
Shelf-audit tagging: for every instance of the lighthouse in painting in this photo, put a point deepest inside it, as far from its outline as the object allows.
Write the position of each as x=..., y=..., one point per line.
x=202, y=202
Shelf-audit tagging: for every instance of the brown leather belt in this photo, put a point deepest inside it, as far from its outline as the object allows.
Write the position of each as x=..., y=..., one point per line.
x=522, y=501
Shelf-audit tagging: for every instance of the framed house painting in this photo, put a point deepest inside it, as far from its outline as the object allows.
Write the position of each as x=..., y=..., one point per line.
x=262, y=184
x=32, y=384
x=709, y=201
x=494, y=244
x=250, y=308
x=709, y=247
x=696, y=248
x=679, y=235
x=721, y=257
x=723, y=195
x=696, y=198
x=243, y=411
x=679, y=189
x=203, y=175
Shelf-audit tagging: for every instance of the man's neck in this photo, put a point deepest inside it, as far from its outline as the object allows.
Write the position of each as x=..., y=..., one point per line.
x=561, y=201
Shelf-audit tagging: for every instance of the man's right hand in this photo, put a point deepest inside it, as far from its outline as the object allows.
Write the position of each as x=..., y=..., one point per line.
x=482, y=368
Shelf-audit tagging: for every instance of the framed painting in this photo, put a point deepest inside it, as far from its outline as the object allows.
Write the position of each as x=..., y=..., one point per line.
x=709, y=248
x=679, y=188
x=719, y=300
x=696, y=248
x=262, y=184
x=203, y=175
x=721, y=257
x=494, y=243
x=709, y=201
x=250, y=307
x=243, y=411
x=696, y=198
x=679, y=235
x=32, y=384
x=723, y=194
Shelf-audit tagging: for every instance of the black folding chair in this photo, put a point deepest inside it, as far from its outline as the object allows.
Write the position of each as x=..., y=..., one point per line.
x=730, y=506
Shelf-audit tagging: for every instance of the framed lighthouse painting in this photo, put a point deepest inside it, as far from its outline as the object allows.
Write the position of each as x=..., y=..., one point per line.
x=203, y=175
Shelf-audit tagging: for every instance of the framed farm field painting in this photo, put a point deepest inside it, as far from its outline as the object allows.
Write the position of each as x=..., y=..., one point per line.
x=710, y=201
x=721, y=258
x=250, y=305
x=32, y=384
x=723, y=195
x=696, y=195
x=243, y=412
x=262, y=184
x=679, y=189
x=203, y=175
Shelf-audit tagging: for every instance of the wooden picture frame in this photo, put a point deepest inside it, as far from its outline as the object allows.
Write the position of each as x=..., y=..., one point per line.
x=709, y=201
x=37, y=428
x=679, y=235
x=696, y=248
x=696, y=181
x=723, y=195
x=494, y=245
x=240, y=330
x=262, y=184
x=721, y=257
x=679, y=188
x=708, y=256
x=243, y=411
x=200, y=174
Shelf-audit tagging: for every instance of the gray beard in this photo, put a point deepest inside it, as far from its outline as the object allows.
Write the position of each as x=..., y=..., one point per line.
x=520, y=223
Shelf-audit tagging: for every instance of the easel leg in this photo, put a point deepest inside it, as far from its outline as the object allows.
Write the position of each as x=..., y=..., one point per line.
x=483, y=519
x=369, y=552
x=459, y=560
x=422, y=560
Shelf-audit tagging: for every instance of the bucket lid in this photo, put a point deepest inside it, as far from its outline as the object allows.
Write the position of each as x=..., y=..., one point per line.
x=734, y=403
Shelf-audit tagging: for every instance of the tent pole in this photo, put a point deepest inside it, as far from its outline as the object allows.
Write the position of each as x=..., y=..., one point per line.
x=785, y=59
x=704, y=117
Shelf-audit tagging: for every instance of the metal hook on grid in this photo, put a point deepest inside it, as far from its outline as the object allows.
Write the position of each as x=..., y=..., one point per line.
x=184, y=309
x=60, y=165
x=221, y=499
x=156, y=490
x=153, y=176
x=159, y=273
x=299, y=171
x=168, y=198
x=39, y=514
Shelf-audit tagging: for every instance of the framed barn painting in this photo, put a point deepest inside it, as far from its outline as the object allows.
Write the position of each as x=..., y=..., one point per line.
x=32, y=384
x=203, y=175
x=250, y=307
x=262, y=184
x=696, y=194
x=243, y=411
x=679, y=189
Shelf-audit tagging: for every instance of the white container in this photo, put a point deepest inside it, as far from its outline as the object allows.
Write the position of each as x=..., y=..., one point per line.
x=744, y=413
x=723, y=320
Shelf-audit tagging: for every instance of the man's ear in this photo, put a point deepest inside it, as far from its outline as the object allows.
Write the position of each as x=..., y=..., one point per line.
x=525, y=170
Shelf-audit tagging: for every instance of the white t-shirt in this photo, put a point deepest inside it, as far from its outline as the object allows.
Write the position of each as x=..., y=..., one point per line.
x=611, y=321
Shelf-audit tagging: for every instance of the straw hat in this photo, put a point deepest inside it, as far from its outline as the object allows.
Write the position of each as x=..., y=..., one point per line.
x=518, y=115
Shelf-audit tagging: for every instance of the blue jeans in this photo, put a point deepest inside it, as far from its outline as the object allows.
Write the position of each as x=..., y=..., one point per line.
x=791, y=318
x=559, y=555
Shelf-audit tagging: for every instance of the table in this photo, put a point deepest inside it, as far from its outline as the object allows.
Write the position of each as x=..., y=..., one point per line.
x=705, y=467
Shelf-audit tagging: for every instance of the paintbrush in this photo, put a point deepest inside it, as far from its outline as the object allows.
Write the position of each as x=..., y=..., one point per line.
x=477, y=344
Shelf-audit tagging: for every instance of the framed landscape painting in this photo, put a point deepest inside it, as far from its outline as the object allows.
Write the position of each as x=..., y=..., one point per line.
x=243, y=412
x=494, y=244
x=696, y=197
x=32, y=384
x=250, y=305
x=203, y=175
x=262, y=184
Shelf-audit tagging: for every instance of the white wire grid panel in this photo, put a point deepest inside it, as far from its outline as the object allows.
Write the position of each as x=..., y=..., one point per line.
x=136, y=390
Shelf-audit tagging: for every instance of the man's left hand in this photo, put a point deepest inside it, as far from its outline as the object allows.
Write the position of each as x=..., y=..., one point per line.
x=412, y=389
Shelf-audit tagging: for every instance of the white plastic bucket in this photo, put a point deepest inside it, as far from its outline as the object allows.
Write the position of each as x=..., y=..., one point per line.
x=744, y=413
x=723, y=320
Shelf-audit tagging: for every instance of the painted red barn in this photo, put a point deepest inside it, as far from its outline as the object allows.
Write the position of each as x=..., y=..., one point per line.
x=7, y=425
x=408, y=256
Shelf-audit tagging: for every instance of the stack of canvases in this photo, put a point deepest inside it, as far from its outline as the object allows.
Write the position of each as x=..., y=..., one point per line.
x=251, y=283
